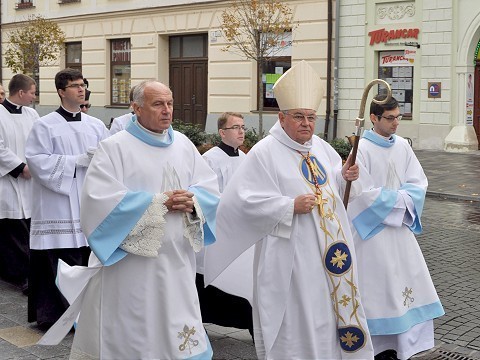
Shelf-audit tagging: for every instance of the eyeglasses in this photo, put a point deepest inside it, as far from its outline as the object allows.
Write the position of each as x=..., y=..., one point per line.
x=236, y=127
x=76, y=86
x=85, y=106
x=391, y=118
x=297, y=117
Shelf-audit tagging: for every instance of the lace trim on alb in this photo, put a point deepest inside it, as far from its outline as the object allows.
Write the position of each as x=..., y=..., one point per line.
x=145, y=237
x=194, y=227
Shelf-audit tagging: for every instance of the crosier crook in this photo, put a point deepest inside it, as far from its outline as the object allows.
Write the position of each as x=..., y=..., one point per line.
x=360, y=123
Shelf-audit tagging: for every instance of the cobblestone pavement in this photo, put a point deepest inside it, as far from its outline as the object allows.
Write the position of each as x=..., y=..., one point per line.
x=451, y=233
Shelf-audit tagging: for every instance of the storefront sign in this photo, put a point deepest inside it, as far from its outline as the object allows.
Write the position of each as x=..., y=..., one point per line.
x=383, y=36
x=435, y=90
x=394, y=58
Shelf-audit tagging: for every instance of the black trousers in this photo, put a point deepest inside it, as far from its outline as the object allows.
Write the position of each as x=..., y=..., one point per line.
x=45, y=302
x=14, y=250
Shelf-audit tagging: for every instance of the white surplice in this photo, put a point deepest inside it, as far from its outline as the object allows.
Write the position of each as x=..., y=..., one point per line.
x=16, y=198
x=52, y=149
x=138, y=307
x=397, y=291
x=120, y=123
x=305, y=301
x=223, y=164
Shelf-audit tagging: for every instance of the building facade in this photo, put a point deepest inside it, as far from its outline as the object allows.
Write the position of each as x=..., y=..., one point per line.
x=428, y=51
x=117, y=44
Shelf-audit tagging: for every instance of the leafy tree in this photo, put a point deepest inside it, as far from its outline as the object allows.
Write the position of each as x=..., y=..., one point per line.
x=254, y=28
x=37, y=43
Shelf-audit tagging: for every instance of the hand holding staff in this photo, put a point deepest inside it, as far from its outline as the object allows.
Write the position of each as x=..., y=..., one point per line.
x=359, y=124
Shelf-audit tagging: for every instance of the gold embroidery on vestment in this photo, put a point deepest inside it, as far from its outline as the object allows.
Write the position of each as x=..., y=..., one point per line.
x=408, y=299
x=187, y=343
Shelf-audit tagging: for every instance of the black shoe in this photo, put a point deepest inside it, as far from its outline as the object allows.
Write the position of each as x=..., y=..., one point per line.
x=387, y=355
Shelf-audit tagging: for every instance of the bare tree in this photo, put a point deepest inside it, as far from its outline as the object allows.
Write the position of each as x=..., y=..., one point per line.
x=254, y=29
x=36, y=43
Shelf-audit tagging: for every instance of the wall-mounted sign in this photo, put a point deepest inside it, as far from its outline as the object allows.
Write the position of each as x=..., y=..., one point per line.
x=383, y=36
x=435, y=90
x=394, y=58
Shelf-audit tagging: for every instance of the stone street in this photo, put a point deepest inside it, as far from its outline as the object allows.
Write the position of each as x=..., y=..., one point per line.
x=451, y=220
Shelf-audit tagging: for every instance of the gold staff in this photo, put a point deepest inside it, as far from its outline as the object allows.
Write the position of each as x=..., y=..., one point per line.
x=359, y=124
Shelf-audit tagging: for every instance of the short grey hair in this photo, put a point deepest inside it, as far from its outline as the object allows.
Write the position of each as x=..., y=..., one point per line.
x=139, y=90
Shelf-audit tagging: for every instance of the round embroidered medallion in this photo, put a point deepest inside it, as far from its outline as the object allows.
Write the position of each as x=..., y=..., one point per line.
x=317, y=169
x=338, y=259
x=352, y=338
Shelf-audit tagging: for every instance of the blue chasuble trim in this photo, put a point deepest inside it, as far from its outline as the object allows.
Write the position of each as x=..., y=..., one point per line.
x=206, y=355
x=377, y=139
x=134, y=129
x=418, y=196
x=107, y=237
x=398, y=325
x=209, y=204
x=369, y=222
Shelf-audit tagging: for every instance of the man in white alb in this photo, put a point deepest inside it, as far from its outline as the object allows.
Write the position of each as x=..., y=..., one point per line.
x=397, y=291
x=58, y=152
x=219, y=307
x=148, y=204
x=286, y=199
x=16, y=120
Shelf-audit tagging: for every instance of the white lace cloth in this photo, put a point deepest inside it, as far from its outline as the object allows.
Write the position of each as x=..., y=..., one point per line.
x=194, y=226
x=145, y=239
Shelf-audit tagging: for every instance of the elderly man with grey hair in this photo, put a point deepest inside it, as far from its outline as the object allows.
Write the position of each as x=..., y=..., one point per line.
x=148, y=205
x=286, y=199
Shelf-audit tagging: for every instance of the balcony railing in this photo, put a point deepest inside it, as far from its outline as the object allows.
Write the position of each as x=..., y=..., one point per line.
x=24, y=5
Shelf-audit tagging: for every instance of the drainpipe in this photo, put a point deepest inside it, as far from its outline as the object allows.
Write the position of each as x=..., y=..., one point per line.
x=329, y=70
x=335, y=68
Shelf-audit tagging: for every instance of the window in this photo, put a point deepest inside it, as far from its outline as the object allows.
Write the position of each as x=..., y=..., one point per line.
x=188, y=46
x=272, y=70
x=275, y=67
x=121, y=72
x=24, y=4
x=73, y=55
x=395, y=69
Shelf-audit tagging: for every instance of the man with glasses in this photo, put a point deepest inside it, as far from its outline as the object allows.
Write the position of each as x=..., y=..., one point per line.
x=286, y=199
x=397, y=291
x=58, y=152
x=219, y=307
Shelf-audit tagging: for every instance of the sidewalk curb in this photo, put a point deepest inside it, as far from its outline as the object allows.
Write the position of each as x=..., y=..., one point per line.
x=454, y=197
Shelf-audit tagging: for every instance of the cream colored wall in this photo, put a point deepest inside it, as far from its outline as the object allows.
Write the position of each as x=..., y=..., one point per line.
x=231, y=78
x=434, y=61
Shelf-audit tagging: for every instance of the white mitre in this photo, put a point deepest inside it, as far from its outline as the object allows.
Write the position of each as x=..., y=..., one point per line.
x=299, y=88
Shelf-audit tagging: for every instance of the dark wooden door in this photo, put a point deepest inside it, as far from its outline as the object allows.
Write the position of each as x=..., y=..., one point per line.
x=188, y=80
x=476, y=102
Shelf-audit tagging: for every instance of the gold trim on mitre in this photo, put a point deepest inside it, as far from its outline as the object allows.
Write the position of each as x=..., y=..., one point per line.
x=299, y=88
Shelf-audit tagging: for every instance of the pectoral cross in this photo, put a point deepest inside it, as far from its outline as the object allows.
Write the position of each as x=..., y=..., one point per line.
x=321, y=202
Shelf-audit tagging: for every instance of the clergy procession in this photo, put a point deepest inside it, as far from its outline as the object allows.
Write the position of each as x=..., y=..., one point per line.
x=132, y=240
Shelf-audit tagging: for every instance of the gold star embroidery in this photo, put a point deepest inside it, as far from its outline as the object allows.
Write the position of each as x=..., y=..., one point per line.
x=349, y=339
x=345, y=300
x=339, y=259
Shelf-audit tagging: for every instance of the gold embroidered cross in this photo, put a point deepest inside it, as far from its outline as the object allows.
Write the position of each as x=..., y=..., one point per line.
x=320, y=201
